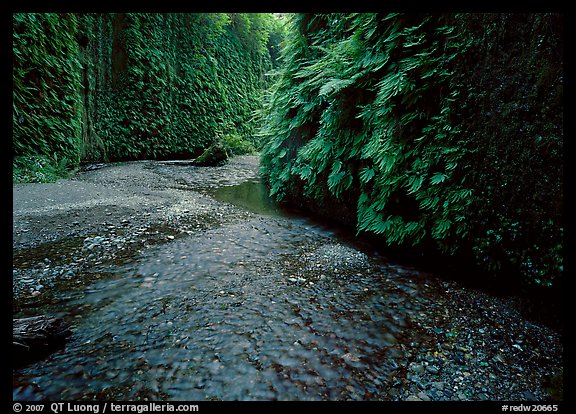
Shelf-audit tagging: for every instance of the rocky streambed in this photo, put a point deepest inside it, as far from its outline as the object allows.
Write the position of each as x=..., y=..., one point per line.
x=185, y=283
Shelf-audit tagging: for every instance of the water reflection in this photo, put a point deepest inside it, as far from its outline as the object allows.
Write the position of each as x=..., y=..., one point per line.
x=250, y=195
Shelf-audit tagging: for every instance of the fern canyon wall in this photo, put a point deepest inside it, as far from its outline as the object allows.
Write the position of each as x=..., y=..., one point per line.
x=440, y=133
x=434, y=134
x=105, y=87
x=245, y=207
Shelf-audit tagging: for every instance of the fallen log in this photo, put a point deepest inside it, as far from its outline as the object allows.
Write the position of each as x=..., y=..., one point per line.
x=37, y=336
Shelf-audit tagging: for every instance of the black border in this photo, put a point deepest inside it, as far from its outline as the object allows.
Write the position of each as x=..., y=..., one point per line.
x=318, y=6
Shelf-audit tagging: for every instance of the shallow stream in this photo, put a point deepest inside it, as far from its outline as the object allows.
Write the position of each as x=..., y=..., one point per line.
x=265, y=305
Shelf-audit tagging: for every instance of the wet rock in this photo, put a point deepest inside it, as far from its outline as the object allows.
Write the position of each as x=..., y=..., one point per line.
x=215, y=155
x=459, y=358
x=350, y=357
x=337, y=258
x=432, y=369
x=92, y=242
x=527, y=395
x=417, y=368
x=439, y=385
x=423, y=396
x=413, y=398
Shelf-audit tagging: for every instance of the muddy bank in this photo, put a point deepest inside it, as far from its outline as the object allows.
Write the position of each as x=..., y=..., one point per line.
x=183, y=283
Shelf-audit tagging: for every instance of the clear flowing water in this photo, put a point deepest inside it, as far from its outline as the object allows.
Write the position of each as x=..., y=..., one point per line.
x=250, y=195
x=268, y=308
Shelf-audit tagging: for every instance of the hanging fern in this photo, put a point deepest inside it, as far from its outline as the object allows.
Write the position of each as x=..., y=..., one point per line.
x=137, y=85
x=371, y=113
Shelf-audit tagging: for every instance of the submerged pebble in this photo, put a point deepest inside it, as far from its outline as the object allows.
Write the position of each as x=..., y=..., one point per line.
x=247, y=306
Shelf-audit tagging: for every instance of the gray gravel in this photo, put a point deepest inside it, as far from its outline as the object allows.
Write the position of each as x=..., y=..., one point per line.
x=458, y=343
x=107, y=215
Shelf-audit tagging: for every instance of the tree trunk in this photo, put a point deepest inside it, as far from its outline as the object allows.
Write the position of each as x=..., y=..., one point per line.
x=37, y=336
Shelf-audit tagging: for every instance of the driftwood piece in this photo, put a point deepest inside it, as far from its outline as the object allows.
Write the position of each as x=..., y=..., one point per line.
x=37, y=336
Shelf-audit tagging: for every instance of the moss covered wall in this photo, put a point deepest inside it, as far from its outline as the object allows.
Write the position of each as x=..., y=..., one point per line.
x=47, y=103
x=177, y=82
x=130, y=85
x=512, y=117
x=437, y=132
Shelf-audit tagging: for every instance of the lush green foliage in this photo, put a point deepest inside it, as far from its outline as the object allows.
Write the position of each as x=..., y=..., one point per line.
x=235, y=145
x=128, y=85
x=372, y=128
x=512, y=117
x=179, y=81
x=46, y=85
x=40, y=168
x=374, y=119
